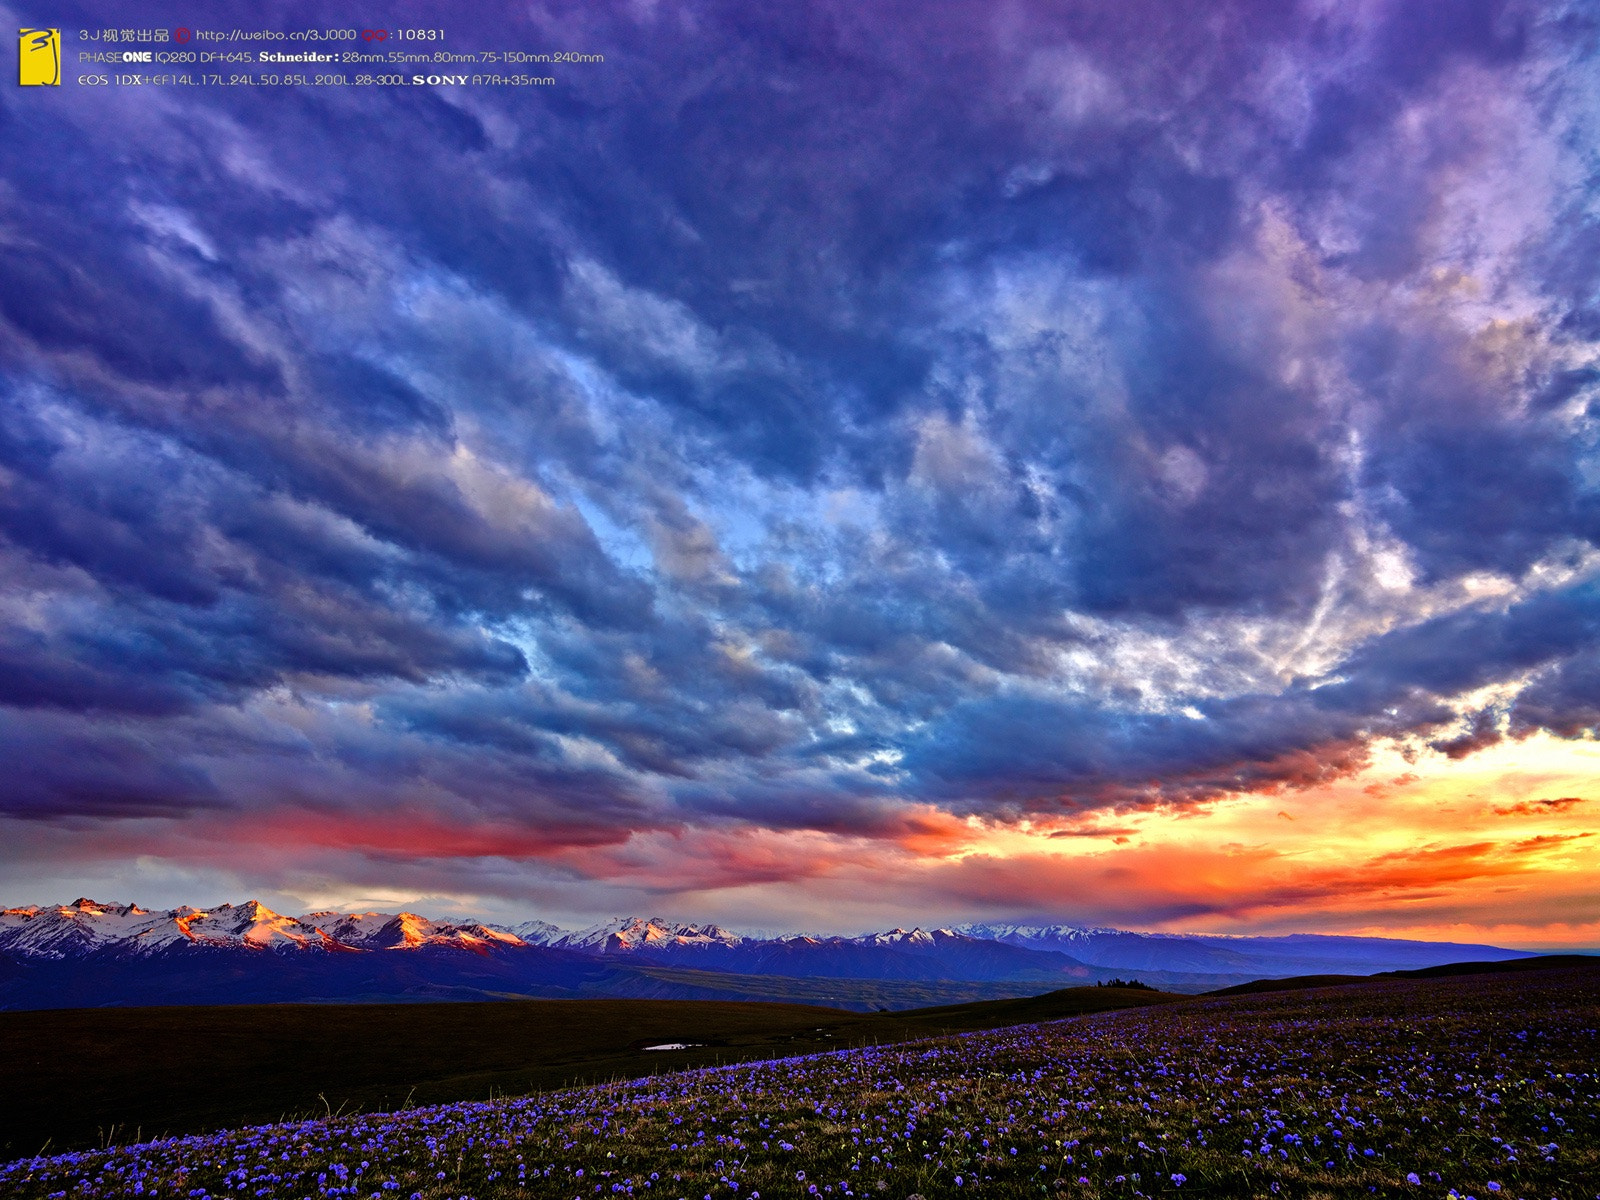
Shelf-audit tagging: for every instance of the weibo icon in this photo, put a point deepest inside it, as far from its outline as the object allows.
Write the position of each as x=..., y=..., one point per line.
x=39, y=58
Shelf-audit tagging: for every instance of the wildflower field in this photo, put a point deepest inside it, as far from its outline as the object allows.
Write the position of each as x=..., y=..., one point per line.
x=1479, y=1087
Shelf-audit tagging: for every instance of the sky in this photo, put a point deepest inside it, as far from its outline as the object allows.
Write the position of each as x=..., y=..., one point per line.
x=828, y=466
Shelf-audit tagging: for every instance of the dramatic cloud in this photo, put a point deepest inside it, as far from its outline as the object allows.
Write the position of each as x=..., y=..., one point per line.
x=818, y=422
x=1535, y=808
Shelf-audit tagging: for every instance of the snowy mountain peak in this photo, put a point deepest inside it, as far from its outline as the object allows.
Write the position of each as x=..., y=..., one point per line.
x=85, y=905
x=405, y=931
x=1001, y=932
x=67, y=930
x=538, y=933
x=622, y=934
x=897, y=937
x=251, y=924
x=415, y=931
x=87, y=926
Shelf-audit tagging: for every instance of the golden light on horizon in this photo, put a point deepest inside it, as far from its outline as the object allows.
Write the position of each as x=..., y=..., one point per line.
x=1498, y=845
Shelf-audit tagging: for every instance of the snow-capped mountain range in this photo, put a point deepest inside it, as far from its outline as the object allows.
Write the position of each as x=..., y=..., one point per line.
x=86, y=926
x=625, y=933
x=91, y=952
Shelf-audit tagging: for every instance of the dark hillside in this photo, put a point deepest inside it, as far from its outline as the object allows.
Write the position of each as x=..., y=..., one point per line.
x=1543, y=962
x=80, y=1076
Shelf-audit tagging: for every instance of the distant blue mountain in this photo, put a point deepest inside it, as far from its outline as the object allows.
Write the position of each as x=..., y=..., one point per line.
x=1292, y=954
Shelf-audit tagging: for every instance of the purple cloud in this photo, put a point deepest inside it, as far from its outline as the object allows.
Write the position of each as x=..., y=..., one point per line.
x=803, y=416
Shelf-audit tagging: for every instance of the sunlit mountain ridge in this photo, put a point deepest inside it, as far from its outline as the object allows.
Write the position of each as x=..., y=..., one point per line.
x=86, y=927
x=93, y=954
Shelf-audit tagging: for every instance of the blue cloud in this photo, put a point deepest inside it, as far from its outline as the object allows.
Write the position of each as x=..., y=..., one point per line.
x=803, y=415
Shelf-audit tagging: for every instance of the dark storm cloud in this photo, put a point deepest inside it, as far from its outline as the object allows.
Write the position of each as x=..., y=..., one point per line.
x=178, y=582
x=805, y=412
x=1023, y=753
x=1031, y=750
x=56, y=770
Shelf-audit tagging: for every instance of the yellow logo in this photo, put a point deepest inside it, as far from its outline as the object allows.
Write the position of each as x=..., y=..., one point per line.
x=39, y=58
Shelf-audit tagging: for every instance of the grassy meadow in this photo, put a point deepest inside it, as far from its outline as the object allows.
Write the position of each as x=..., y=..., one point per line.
x=1471, y=1087
x=1479, y=1087
x=78, y=1078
